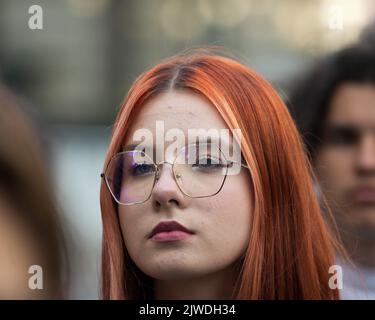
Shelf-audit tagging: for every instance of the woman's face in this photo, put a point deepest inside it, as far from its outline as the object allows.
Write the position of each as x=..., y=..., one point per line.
x=219, y=224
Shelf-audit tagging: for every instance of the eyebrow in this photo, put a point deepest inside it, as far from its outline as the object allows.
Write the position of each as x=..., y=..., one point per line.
x=133, y=146
x=335, y=126
x=219, y=142
x=332, y=127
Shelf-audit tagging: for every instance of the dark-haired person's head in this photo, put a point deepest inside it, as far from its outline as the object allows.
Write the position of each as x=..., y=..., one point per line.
x=335, y=110
x=31, y=246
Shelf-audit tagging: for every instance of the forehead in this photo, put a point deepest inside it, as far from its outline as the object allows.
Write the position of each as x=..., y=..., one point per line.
x=354, y=104
x=183, y=110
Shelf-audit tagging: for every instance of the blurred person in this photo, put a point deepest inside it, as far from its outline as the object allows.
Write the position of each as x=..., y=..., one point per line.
x=178, y=229
x=30, y=231
x=334, y=105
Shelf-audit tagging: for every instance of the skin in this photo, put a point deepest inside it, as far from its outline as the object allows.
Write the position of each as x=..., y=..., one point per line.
x=18, y=251
x=205, y=265
x=342, y=168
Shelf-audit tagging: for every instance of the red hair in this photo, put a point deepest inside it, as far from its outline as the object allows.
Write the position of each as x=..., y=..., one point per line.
x=290, y=248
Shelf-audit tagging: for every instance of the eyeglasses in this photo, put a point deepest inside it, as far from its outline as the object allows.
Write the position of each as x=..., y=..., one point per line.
x=199, y=171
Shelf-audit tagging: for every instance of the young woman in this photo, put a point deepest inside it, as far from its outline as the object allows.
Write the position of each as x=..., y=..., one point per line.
x=177, y=229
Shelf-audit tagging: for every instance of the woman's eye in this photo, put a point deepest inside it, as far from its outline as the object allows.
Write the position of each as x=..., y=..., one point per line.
x=142, y=169
x=342, y=136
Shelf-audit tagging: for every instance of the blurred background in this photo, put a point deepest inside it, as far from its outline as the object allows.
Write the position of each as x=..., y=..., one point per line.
x=75, y=72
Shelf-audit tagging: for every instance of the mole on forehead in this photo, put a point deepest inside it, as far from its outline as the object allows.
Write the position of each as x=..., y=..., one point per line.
x=149, y=119
x=186, y=109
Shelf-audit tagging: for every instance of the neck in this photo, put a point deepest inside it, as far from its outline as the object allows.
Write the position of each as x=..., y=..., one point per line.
x=216, y=286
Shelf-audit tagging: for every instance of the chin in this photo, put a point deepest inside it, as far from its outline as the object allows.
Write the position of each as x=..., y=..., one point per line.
x=169, y=272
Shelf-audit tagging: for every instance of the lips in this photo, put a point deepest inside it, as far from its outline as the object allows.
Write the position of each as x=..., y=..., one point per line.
x=169, y=231
x=364, y=195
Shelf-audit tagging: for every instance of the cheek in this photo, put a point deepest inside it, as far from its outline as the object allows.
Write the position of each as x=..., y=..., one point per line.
x=132, y=228
x=230, y=214
x=334, y=169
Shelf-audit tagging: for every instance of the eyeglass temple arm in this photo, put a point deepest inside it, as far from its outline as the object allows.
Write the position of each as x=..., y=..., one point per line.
x=242, y=165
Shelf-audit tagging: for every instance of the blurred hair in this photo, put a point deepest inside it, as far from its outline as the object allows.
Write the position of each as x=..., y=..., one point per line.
x=25, y=183
x=290, y=249
x=310, y=98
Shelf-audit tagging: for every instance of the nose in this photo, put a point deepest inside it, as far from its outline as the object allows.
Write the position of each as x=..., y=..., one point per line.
x=366, y=155
x=166, y=192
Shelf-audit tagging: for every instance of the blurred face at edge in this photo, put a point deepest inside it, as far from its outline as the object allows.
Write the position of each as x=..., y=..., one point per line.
x=345, y=165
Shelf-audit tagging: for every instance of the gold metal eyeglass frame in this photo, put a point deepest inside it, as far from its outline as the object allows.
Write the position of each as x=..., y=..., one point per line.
x=157, y=176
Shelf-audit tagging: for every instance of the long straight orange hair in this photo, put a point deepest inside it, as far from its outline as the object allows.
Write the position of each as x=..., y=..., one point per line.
x=290, y=249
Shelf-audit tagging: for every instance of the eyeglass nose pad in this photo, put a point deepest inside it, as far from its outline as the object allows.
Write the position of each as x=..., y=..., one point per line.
x=178, y=175
x=158, y=170
x=157, y=174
